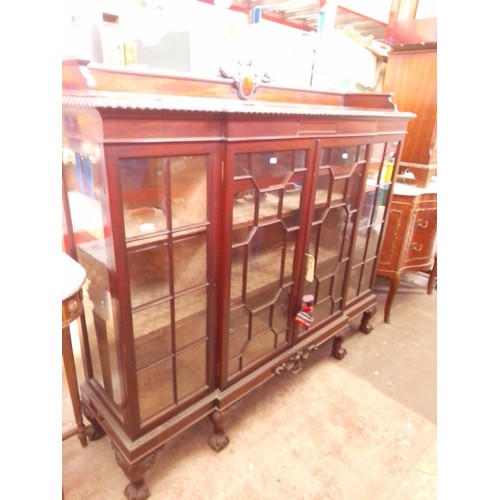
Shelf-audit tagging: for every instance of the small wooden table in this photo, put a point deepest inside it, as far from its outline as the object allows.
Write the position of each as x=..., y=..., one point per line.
x=73, y=277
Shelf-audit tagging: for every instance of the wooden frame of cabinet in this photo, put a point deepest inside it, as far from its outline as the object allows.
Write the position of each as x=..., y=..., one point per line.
x=196, y=216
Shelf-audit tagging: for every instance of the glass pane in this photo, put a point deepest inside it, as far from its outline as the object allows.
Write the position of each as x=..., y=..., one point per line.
x=331, y=236
x=191, y=370
x=289, y=257
x=191, y=320
x=367, y=275
x=338, y=281
x=153, y=348
x=280, y=312
x=258, y=346
x=343, y=159
x=84, y=186
x=191, y=306
x=270, y=169
x=354, y=187
x=373, y=241
x=361, y=242
x=190, y=262
x=323, y=310
x=148, y=274
x=242, y=165
x=151, y=320
x=261, y=321
x=339, y=190
x=367, y=208
x=237, y=266
x=324, y=289
x=188, y=179
x=388, y=167
x=270, y=203
x=375, y=164
x=265, y=257
x=238, y=331
x=244, y=206
x=155, y=386
x=353, y=283
x=143, y=194
x=291, y=207
x=322, y=196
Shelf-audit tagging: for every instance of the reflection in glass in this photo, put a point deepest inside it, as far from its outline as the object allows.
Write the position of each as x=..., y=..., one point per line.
x=155, y=347
x=151, y=320
x=143, y=193
x=265, y=257
x=188, y=179
x=191, y=370
x=375, y=164
x=152, y=400
x=148, y=274
x=166, y=346
x=271, y=169
x=337, y=189
x=190, y=312
x=82, y=174
x=371, y=217
x=191, y=254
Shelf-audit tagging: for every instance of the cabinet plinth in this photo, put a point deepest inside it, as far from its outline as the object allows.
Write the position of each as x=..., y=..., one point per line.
x=202, y=222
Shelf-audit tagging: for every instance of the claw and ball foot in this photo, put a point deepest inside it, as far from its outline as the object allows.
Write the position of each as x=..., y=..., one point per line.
x=219, y=439
x=365, y=326
x=338, y=352
x=136, y=489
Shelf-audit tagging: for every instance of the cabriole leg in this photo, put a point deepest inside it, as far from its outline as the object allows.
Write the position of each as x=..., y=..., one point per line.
x=390, y=297
x=432, y=277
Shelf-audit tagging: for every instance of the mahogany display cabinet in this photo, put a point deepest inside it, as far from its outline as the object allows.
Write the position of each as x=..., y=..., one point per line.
x=203, y=213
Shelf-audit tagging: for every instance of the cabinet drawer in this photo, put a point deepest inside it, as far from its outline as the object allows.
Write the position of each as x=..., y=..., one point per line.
x=425, y=221
x=420, y=250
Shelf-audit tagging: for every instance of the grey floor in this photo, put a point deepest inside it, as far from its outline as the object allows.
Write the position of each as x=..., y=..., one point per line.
x=361, y=428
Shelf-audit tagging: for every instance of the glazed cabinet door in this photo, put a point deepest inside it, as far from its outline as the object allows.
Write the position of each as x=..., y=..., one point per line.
x=265, y=207
x=337, y=187
x=152, y=278
x=375, y=184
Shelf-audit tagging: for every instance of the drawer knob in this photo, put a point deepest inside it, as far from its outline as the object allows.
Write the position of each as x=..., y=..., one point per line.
x=416, y=246
x=422, y=223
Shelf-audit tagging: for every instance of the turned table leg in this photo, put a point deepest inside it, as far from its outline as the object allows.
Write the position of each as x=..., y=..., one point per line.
x=70, y=369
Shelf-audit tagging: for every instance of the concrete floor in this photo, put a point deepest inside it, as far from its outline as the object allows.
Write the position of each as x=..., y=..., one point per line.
x=361, y=428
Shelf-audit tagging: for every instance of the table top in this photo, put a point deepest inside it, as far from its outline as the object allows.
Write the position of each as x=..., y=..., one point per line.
x=404, y=189
x=73, y=276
